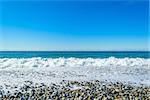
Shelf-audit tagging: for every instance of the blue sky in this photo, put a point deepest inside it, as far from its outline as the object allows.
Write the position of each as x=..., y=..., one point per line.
x=74, y=25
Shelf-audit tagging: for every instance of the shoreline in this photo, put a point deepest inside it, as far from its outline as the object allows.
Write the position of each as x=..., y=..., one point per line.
x=78, y=90
x=74, y=78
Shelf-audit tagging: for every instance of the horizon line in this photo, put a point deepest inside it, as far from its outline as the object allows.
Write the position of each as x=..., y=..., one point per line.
x=74, y=51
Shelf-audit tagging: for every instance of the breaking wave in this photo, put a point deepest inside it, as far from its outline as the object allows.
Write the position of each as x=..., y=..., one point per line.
x=6, y=63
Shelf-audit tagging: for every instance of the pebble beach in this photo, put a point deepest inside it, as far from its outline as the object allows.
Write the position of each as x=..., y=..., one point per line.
x=75, y=90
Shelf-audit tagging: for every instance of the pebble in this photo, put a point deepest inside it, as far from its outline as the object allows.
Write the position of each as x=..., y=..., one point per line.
x=93, y=90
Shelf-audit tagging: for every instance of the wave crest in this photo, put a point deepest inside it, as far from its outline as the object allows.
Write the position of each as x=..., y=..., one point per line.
x=71, y=62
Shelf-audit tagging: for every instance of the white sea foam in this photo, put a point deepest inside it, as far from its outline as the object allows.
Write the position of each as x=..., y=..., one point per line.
x=14, y=72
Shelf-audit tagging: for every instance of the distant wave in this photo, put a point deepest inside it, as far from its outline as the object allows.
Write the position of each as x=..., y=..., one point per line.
x=14, y=71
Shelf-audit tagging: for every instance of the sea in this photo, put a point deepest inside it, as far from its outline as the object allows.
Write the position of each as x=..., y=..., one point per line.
x=128, y=67
x=74, y=54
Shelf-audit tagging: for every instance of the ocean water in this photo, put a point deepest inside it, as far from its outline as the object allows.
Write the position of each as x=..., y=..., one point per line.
x=53, y=67
x=79, y=54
